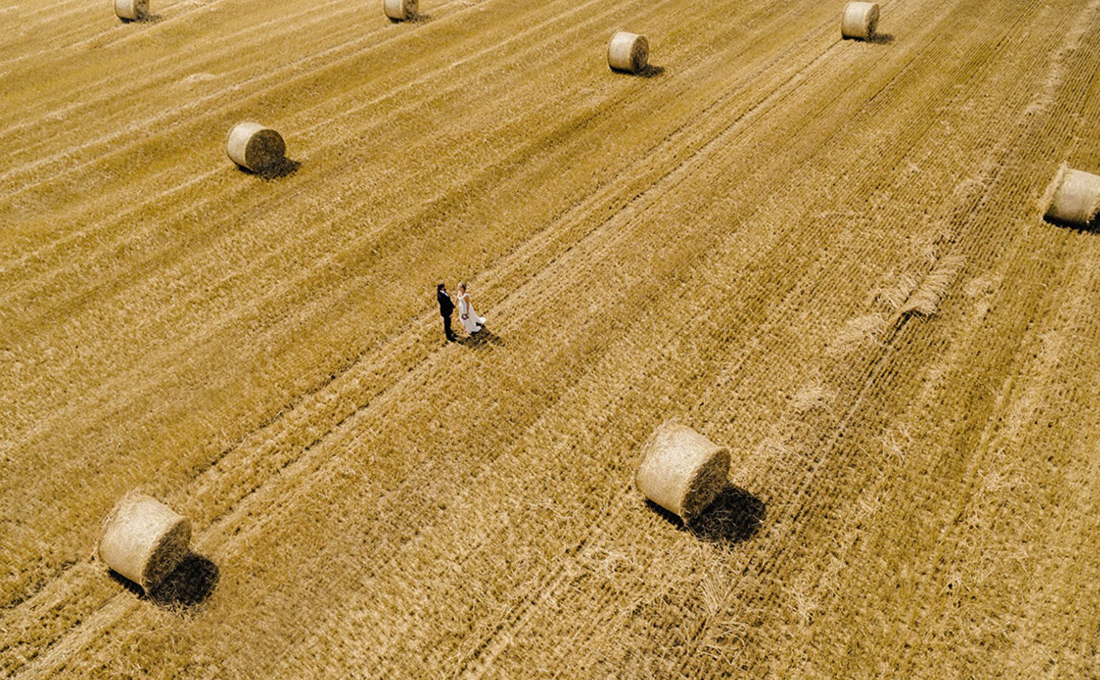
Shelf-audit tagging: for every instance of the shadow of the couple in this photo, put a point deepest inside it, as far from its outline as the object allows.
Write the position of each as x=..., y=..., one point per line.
x=734, y=517
x=482, y=339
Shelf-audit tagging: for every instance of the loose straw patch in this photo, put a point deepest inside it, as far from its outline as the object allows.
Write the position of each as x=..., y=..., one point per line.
x=681, y=470
x=926, y=298
x=144, y=540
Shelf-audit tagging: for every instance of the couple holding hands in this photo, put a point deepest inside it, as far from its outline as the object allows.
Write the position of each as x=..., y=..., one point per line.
x=470, y=320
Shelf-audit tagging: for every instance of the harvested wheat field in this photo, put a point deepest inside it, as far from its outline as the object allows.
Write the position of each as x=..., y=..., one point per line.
x=827, y=255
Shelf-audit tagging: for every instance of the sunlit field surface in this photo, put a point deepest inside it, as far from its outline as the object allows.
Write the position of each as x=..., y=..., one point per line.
x=828, y=255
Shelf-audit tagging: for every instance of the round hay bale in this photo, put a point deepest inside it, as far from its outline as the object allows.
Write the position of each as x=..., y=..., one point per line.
x=144, y=540
x=681, y=470
x=253, y=146
x=400, y=10
x=132, y=10
x=860, y=20
x=628, y=52
x=1076, y=198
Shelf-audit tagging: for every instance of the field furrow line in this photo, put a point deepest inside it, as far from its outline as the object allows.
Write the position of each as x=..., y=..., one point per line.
x=977, y=238
x=209, y=180
x=170, y=70
x=285, y=78
x=827, y=254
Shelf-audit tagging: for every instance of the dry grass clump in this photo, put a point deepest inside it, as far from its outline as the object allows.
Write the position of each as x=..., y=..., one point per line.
x=894, y=296
x=681, y=470
x=400, y=10
x=928, y=294
x=858, y=332
x=813, y=396
x=628, y=52
x=132, y=10
x=1076, y=198
x=144, y=540
x=860, y=20
x=255, y=147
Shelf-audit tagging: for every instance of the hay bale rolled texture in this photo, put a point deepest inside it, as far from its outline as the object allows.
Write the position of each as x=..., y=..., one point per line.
x=132, y=10
x=860, y=20
x=144, y=540
x=681, y=470
x=253, y=146
x=628, y=52
x=400, y=10
x=1076, y=198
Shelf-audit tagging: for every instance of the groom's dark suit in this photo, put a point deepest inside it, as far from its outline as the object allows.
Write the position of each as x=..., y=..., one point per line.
x=446, y=308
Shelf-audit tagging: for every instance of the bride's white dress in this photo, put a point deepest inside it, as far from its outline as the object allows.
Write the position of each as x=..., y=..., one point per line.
x=470, y=320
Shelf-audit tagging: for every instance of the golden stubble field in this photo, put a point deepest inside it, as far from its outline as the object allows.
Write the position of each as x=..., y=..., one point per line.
x=740, y=242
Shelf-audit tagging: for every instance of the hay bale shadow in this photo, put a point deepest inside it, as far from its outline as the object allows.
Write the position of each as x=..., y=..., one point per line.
x=416, y=18
x=735, y=516
x=284, y=169
x=144, y=19
x=190, y=585
x=881, y=39
x=651, y=71
x=482, y=339
x=1092, y=227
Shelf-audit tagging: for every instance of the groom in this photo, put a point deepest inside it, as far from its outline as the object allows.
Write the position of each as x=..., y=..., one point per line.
x=446, y=308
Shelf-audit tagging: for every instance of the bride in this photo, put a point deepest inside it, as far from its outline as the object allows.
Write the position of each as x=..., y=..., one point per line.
x=470, y=320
